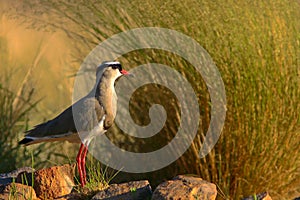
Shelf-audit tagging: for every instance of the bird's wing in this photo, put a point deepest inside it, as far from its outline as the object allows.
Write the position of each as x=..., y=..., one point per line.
x=82, y=116
x=87, y=114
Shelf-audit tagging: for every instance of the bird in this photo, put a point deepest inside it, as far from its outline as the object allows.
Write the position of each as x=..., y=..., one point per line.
x=90, y=116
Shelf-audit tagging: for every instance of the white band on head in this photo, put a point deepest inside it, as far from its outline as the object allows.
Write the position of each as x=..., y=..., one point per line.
x=112, y=63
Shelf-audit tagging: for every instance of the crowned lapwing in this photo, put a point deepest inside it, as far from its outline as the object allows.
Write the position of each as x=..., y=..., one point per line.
x=90, y=116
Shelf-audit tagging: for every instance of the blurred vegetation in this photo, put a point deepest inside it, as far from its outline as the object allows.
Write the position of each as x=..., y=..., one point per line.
x=16, y=108
x=255, y=45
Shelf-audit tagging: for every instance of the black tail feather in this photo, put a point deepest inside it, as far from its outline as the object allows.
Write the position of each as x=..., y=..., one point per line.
x=25, y=141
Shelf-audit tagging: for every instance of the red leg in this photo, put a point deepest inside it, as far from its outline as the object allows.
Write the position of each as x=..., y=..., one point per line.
x=79, y=164
x=83, y=163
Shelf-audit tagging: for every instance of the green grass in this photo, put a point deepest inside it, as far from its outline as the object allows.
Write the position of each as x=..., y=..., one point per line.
x=99, y=176
x=255, y=45
x=15, y=192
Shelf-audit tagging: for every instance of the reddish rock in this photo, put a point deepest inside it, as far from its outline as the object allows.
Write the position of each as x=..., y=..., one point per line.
x=54, y=182
x=17, y=191
x=185, y=188
x=267, y=197
x=135, y=190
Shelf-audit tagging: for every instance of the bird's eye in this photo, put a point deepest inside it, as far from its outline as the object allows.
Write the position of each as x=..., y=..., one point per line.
x=117, y=66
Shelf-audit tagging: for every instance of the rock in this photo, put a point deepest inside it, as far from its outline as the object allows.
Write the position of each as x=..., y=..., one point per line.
x=17, y=191
x=184, y=187
x=267, y=197
x=74, y=196
x=24, y=178
x=6, y=178
x=135, y=190
x=260, y=196
x=54, y=182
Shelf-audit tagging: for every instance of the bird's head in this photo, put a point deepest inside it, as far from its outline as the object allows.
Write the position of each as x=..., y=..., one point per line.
x=112, y=70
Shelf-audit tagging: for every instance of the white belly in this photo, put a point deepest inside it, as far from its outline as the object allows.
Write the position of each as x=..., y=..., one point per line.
x=87, y=136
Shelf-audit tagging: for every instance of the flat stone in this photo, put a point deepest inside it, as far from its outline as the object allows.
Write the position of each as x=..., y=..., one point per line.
x=6, y=178
x=185, y=187
x=17, y=191
x=74, y=196
x=134, y=190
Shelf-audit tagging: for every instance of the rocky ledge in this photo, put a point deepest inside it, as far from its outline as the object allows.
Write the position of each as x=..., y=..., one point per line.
x=58, y=183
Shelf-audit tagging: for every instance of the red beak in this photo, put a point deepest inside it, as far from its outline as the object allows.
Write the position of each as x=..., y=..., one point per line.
x=124, y=72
